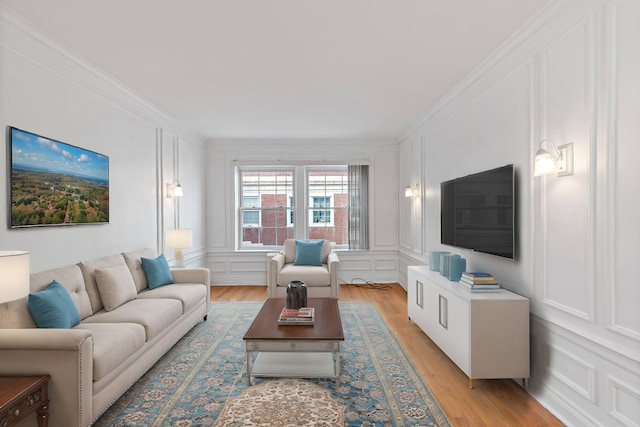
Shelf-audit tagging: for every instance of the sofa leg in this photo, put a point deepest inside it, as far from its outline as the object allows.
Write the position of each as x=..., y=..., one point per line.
x=205, y=317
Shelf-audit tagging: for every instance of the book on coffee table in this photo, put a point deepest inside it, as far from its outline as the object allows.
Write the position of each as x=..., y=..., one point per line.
x=301, y=316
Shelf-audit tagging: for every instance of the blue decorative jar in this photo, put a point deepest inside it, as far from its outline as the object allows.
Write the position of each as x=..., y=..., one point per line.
x=434, y=260
x=457, y=266
x=445, y=263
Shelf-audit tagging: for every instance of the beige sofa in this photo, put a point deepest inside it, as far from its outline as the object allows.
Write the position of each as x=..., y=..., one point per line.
x=96, y=361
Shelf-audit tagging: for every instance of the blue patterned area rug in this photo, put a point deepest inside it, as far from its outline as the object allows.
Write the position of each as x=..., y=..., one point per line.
x=201, y=381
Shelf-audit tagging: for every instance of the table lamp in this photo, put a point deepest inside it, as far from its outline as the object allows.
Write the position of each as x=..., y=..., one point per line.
x=14, y=270
x=179, y=239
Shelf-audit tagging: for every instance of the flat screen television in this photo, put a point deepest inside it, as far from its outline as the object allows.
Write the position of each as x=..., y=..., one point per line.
x=477, y=212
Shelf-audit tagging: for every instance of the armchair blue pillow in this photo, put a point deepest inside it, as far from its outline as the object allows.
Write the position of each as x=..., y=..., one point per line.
x=308, y=252
x=53, y=308
x=157, y=271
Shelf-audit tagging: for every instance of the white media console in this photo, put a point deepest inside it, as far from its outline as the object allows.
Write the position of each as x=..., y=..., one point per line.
x=485, y=334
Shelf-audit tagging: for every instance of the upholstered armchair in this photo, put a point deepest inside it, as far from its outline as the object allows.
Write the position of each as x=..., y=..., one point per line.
x=316, y=267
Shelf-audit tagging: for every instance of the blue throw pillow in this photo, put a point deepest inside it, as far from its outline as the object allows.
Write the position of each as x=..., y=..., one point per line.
x=157, y=271
x=308, y=252
x=53, y=308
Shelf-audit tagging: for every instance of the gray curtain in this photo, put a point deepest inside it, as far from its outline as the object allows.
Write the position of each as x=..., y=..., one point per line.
x=358, y=177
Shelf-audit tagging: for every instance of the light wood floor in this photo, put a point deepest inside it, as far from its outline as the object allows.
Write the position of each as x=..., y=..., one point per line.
x=490, y=403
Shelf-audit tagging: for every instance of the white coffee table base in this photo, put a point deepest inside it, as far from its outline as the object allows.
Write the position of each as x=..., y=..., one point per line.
x=294, y=365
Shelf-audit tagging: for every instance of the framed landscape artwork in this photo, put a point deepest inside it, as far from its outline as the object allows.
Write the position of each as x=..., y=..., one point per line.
x=53, y=183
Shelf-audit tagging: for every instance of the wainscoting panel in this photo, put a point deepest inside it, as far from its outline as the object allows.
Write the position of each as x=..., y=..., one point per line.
x=625, y=401
x=250, y=268
x=582, y=380
x=623, y=174
x=390, y=264
x=567, y=103
x=216, y=188
x=384, y=217
x=569, y=369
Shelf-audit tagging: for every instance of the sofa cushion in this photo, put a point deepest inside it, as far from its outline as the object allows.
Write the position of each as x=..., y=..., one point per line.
x=189, y=294
x=308, y=252
x=88, y=269
x=155, y=315
x=53, y=308
x=115, y=285
x=157, y=271
x=113, y=343
x=132, y=259
x=310, y=275
x=71, y=278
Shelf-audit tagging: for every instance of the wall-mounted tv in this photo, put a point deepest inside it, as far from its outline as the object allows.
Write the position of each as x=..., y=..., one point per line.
x=477, y=212
x=53, y=183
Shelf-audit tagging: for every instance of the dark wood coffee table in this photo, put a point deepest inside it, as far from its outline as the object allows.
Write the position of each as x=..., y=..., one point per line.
x=295, y=351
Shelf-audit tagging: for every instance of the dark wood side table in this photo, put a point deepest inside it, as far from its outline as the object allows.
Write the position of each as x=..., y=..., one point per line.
x=19, y=396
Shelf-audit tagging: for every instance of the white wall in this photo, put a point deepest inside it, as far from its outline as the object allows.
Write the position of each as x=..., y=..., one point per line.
x=378, y=264
x=572, y=75
x=48, y=90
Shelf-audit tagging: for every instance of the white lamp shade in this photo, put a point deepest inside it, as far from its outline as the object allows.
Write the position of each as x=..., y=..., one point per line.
x=179, y=238
x=177, y=192
x=14, y=275
x=544, y=163
x=408, y=192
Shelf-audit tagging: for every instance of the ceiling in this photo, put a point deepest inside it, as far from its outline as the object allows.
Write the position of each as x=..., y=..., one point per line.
x=303, y=69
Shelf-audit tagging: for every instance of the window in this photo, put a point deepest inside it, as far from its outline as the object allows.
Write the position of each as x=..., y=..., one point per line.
x=336, y=205
x=250, y=217
x=265, y=209
x=321, y=216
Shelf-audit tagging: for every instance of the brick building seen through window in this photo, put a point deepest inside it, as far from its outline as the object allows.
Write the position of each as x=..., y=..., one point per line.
x=268, y=210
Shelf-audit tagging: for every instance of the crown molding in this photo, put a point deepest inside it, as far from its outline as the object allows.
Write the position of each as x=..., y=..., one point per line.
x=514, y=47
x=22, y=38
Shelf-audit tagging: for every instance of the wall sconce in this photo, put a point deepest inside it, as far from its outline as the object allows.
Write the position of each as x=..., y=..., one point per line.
x=14, y=268
x=412, y=190
x=173, y=189
x=560, y=160
x=179, y=239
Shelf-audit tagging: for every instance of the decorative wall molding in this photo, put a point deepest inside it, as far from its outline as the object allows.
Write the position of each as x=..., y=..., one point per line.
x=625, y=402
x=602, y=349
x=250, y=268
x=514, y=46
x=586, y=27
x=587, y=367
x=585, y=385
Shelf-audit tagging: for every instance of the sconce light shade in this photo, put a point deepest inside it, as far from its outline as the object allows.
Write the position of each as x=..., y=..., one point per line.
x=544, y=163
x=561, y=160
x=14, y=269
x=174, y=190
x=179, y=239
x=408, y=192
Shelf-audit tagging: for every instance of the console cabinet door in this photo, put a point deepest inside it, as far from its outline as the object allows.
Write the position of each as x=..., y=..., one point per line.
x=451, y=324
x=415, y=299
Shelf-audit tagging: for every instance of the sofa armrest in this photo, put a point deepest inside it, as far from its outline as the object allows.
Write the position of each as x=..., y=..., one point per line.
x=194, y=275
x=191, y=275
x=333, y=262
x=274, y=265
x=67, y=356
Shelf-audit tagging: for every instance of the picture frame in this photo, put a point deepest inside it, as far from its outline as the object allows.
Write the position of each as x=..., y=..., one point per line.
x=52, y=183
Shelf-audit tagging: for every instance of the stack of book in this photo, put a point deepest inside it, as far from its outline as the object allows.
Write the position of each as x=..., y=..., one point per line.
x=479, y=282
x=300, y=316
